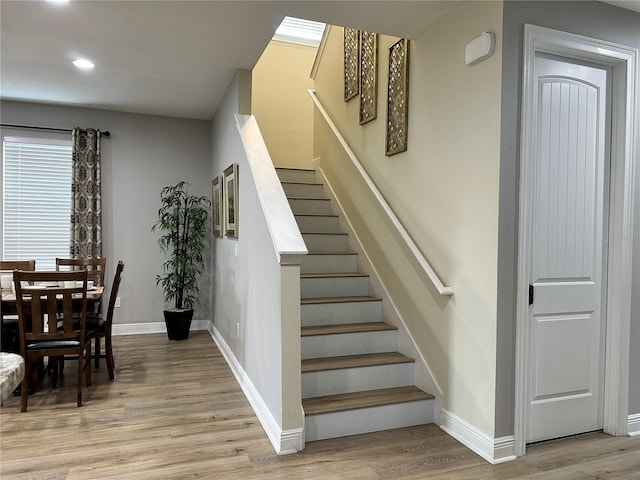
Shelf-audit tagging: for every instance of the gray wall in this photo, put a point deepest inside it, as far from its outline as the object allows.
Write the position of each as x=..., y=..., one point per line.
x=247, y=291
x=143, y=154
x=592, y=19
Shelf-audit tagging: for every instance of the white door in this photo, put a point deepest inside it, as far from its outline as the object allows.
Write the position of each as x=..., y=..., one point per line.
x=567, y=300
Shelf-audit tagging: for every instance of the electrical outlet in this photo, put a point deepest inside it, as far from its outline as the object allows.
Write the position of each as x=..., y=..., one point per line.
x=117, y=302
x=238, y=329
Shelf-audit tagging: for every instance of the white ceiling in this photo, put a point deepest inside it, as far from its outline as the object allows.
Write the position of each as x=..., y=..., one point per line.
x=172, y=58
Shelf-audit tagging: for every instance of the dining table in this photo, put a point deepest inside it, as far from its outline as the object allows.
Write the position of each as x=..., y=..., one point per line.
x=9, y=304
x=10, y=309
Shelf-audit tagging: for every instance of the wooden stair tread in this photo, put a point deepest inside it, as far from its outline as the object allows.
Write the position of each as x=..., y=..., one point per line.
x=353, y=361
x=333, y=275
x=362, y=298
x=338, y=329
x=309, y=198
x=314, y=215
x=369, y=398
x=314, y=252
x=298, y=182
x=295, y=168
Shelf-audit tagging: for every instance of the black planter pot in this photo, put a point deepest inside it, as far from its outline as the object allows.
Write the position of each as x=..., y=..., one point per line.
x=178, y=323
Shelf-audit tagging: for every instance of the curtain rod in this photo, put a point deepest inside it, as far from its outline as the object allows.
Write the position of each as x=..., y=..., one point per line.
x=106, y=133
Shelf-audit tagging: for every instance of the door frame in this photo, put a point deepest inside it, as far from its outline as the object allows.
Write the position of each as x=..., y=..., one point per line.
x=624, y=65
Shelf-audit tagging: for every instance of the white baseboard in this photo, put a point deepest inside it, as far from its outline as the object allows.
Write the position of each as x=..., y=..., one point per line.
x=493, y=450
x=634, y=425
x=284, y=441
x=153, y=327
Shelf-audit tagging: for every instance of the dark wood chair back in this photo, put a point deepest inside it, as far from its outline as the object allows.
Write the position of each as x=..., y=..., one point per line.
x=114, y=293
x=26, y=265
x=102, y=329
x=9, y=335
x=95, y=267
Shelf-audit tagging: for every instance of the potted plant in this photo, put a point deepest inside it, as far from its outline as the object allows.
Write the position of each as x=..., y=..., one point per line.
x=182, y=220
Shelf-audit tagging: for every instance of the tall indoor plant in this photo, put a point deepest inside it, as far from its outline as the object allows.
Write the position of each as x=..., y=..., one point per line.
x=182, y=220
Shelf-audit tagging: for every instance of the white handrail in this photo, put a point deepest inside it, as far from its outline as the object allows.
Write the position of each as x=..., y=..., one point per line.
x=422, y=261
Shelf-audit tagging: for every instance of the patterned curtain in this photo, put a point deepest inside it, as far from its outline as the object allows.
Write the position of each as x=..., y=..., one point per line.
x=86, y=195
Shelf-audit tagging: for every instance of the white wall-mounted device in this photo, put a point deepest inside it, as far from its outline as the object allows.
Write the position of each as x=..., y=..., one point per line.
x=480, y=48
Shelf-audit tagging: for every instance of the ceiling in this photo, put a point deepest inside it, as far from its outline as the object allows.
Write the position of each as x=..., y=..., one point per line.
x=173, y=58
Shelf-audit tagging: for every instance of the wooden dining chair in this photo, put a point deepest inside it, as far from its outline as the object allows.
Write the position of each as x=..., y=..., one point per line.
x=9, y=323
x=45, y=312
x=100, y=327
x=95, y=267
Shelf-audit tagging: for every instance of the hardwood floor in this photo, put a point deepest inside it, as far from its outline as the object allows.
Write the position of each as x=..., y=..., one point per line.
x=175, y=411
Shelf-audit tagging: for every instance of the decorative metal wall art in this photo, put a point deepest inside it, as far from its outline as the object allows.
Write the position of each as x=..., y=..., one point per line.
x=230, y=190
x=217, y=204
x=397, y=98
x=368, y=76
x=351, y=63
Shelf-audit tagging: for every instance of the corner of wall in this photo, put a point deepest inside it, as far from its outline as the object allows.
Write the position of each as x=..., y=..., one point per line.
x=244, y=91
x=284, y=442
x=493, y=450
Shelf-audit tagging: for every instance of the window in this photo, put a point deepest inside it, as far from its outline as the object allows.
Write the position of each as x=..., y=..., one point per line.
x=297, y=30
x=36, y=200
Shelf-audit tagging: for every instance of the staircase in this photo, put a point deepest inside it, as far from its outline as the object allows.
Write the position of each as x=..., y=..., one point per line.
x=353, y=379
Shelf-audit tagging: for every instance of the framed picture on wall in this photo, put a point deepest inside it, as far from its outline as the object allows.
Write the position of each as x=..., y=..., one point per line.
x=398, y=98
x=368, y=76
x=351, y=63
x=217, y=204
x=230, y=194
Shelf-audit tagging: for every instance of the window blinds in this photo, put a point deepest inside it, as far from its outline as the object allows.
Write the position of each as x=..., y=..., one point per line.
x=36, y=200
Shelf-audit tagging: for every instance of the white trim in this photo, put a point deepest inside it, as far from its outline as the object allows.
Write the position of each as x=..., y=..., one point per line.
x=623, y=61
x=493, y=450
x=284, y=441
x=633, y=424
x=153, y=327
x=413, y=248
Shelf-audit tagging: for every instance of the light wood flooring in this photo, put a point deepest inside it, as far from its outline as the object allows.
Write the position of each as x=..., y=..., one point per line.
x=175, y=411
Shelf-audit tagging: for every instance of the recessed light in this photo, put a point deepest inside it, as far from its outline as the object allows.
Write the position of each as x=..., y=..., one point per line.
x=83, y=64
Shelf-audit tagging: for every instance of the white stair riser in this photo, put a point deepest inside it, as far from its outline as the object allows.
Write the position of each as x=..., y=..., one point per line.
x=366, y=420
x=320, y=242
x=286, y=175
x=304, y=190
x=305, y=205
x=348, y=380
x=311, y=223
x=339, y=313
x=320, y=346
x=329, y=263
x=334, y=287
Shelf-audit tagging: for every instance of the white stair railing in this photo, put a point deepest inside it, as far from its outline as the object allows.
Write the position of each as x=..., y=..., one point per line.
x=420, y=258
